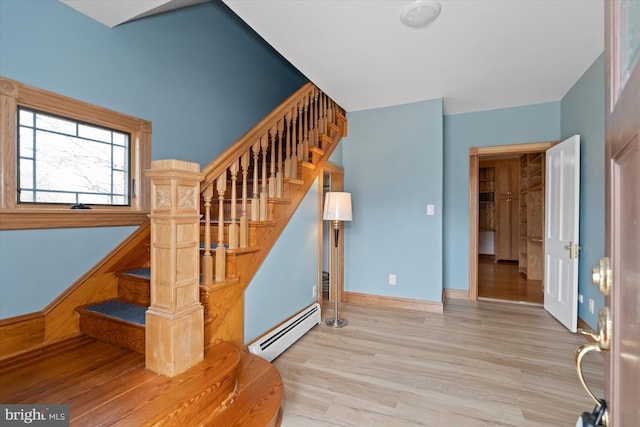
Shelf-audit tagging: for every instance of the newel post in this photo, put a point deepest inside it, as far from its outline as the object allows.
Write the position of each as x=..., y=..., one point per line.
x=175, y=319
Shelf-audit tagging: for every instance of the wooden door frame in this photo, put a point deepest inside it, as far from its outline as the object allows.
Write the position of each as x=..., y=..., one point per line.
x=474, y=162
x=336, y=183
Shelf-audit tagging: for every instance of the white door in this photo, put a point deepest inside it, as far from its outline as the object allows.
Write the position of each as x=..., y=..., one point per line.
x=562, y=200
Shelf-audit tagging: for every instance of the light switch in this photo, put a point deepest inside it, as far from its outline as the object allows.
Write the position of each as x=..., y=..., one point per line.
x=431, y=209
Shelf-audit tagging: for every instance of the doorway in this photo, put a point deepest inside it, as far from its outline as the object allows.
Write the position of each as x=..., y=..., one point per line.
x=332, y=180
x=504, y=257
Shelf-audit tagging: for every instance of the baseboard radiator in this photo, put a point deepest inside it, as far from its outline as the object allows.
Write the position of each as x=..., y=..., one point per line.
x=271, y=345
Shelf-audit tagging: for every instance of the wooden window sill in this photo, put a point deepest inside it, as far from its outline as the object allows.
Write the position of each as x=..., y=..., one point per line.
x=28, y=219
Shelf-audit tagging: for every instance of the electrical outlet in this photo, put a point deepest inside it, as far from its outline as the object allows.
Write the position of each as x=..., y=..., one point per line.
x=581, y=298
x=591, y=305
x=392, y=279
x=314, y=291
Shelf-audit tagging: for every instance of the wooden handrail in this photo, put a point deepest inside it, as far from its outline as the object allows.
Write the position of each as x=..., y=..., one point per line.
x=297, y=123
x=222, y=162
x=259, y=180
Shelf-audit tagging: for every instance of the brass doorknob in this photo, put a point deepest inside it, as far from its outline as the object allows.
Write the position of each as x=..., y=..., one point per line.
x=603, y=336
x=601, y=276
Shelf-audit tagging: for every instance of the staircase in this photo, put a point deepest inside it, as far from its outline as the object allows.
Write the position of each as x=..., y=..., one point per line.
x=248, y=195
x=121, y=321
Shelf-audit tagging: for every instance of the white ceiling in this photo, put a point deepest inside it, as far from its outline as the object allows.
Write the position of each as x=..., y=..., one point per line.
x=478, y=55
x=115, y=12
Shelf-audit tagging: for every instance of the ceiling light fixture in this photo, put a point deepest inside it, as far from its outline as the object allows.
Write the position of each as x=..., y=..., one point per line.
x=420, y=13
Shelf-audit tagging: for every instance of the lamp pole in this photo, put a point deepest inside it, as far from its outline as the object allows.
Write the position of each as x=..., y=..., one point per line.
x=337, y=208
x=336, y=322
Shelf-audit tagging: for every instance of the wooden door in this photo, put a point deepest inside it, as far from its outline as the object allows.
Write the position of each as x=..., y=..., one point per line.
x=561, y=228
x=507, y=210
x=622, y=194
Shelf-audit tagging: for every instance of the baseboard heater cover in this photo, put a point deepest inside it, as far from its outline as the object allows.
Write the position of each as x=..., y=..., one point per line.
x=271, y=345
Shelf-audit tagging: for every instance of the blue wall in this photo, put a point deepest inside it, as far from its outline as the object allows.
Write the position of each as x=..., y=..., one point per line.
x=393, y=168
x=204, y=78
x=583, y=112
x=389, y=233
x=36, y=266
x=199, y=74
x=519, y=125
x=285, y=282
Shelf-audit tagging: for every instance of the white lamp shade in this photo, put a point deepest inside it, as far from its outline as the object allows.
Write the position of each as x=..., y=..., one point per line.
x=337, y=206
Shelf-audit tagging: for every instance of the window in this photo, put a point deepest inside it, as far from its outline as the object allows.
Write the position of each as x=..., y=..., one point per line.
x=65, y=161
x=60, y=154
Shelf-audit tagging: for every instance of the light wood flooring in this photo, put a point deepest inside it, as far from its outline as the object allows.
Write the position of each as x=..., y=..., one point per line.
x=478, y=364
x=501, y=280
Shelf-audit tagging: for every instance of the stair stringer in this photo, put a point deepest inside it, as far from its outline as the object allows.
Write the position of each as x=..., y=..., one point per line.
x=225, y=300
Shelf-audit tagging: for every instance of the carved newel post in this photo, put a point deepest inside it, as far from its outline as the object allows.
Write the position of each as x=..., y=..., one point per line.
x=175, y=319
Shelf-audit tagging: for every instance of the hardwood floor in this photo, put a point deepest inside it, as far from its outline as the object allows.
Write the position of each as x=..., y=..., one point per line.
x=501, y=280
x=106, y=385
x=478, y=364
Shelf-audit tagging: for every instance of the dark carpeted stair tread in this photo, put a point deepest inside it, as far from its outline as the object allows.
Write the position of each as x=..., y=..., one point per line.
x=213, y=246
x=121, y=310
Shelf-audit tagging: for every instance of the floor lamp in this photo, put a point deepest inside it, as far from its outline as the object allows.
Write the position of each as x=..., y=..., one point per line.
x=337, y=208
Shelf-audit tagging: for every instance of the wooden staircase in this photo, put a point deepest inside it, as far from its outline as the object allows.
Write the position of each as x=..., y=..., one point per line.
x=233, y=387
x=233, y=245
x=121, y=321
x=106, y=385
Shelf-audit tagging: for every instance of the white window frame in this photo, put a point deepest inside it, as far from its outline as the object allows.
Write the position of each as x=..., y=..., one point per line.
x=14, y=215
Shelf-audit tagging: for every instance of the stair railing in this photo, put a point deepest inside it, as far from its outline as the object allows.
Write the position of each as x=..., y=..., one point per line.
x=270, y=153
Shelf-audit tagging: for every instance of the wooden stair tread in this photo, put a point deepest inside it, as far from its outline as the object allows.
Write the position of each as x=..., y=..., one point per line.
x=229, y=281
x=136, y=273
x=265, y=223
x=162, y=400
x=260, y=393
x=279, y=201
x=107, y=385
x=237, y=251
x=294, y=181
x=114, y=327
x=91, y=376
x=226, y=221
x=31, y=376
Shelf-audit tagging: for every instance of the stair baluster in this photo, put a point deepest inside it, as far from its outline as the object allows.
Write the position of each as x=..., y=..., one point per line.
x=233, y=227
x=264, y=144
x=332, y=112
x=207, y=258
x=272, y=159
x=313, y=137
x=255, y=201
x=244, y=220
x=221, y=186
x=280, y=172
x=287, y=161
x=294, y=145
x=301, y=151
